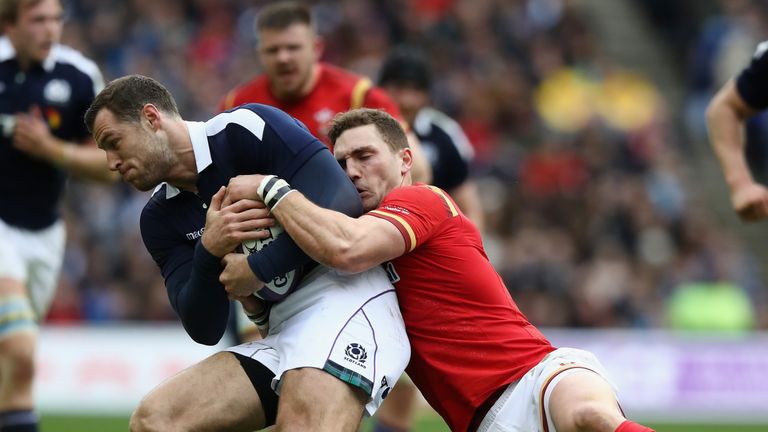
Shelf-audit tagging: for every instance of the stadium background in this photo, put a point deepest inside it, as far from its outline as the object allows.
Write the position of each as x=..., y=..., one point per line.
x=604, y=205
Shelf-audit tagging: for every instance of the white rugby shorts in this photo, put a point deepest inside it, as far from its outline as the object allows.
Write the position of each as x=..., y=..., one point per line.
x=348, y=325
x=519, y=408
x=35, y=259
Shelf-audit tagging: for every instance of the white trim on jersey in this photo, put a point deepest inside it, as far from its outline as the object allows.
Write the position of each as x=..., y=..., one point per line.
x=243, y=116
x=60, y=54
x=6, y=49
x=427, y=117
x=199, y=133
x=68, y=55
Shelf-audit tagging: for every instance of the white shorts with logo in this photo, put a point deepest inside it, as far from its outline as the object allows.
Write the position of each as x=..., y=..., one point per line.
x=520, y=409
x=348, y=325
x=34, y=258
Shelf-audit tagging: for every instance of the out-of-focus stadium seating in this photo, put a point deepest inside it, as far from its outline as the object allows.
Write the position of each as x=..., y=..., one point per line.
x=593, y=220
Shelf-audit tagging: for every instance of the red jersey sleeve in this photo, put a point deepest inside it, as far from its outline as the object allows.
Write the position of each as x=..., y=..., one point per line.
x=416, y=211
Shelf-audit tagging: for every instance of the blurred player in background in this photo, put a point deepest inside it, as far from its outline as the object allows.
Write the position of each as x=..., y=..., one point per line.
x=297, y=82
x=336, y=342
x=737, y=101
x=406, y=77
x=476, y=358
x=44, y=90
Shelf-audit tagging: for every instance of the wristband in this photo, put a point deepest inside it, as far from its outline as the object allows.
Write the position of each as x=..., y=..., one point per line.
x=261, y=319
x=272, y=190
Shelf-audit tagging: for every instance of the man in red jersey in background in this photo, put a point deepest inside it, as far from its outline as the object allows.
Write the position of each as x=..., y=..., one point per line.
x=297, y=82
x=475, y=357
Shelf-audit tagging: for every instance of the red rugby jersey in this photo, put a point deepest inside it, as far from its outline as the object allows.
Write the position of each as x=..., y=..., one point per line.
x=468, y=338
x=336, y=90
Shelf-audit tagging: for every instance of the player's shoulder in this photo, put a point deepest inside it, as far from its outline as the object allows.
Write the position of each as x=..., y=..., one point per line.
x=254, y=90
x=68, y=56
x=436, y=126
x=417, y=194
x=6, y=49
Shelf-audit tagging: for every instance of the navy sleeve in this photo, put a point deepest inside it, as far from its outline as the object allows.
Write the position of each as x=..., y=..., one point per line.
x=323, y=182
x=191, y=278
x=752, y=82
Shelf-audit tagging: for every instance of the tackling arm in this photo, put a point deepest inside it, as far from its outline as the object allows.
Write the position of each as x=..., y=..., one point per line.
x=337, y=240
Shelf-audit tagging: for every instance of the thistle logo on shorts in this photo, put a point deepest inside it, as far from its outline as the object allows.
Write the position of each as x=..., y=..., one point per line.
x=356, y=354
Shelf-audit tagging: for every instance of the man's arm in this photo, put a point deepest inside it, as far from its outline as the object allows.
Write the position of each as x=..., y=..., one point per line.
x=32, y=136
x=726, y=115
x=468, y=201
x=421, y=171
x=337, y=240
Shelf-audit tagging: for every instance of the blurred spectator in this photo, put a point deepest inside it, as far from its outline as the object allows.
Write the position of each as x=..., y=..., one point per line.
x=590, y=214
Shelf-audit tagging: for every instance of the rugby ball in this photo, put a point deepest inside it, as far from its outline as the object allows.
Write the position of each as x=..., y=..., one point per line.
x=280, y=286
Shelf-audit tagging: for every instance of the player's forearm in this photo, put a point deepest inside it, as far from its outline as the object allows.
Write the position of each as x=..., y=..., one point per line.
x=725, y=125
x=467, y=199
x=421, y=171
x=199, y=299
x=82, y=161
x=329, y=237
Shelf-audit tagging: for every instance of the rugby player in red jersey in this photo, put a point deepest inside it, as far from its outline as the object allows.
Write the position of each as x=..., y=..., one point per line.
x=475, y=357
x=297, y=82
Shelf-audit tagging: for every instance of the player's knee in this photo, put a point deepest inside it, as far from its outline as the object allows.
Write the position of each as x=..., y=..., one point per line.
x=148, y=419
x=20, y=364
x=593, y=416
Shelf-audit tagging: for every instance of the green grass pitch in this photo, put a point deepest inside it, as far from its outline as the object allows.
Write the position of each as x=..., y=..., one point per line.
x=426, y=423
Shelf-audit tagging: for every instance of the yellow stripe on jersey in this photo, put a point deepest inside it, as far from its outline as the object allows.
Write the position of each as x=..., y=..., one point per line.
x=447, y=200
x=406, y=225
x=358, y=93
x=230, y=100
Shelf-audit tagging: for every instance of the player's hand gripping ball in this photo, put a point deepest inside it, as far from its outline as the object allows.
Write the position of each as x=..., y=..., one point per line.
x=280, y=286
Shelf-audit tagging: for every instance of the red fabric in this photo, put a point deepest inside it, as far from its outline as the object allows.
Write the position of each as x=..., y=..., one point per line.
x=630, y=426
x=479, y=340
x=332, y=94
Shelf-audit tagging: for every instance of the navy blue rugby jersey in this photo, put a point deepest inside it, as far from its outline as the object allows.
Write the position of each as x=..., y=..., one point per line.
x=63, y=87
x=752, y=82
x=446, y=147
x=251, y=139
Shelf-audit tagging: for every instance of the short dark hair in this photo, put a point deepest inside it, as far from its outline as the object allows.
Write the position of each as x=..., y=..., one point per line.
x=390, y=129
x=406, y=65
x=126, y=96
x=281, y=15
x=9, y=9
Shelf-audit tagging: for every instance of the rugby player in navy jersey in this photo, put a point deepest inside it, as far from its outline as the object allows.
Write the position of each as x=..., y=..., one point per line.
x=45, y=89
x=736, y=102
x=335, y=342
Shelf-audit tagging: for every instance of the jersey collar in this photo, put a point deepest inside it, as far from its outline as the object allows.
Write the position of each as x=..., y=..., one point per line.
x=7, y=52
x=202, y=152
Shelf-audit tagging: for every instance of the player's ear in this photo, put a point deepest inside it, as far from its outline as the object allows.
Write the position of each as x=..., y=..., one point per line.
x=319, y=47
x=407, y=161
x=152, y=115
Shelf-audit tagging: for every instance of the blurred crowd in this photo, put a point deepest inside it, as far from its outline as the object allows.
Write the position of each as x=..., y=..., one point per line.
x=592, y=219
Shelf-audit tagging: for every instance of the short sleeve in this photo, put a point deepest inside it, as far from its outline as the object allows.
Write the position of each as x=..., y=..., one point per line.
x=752, y=82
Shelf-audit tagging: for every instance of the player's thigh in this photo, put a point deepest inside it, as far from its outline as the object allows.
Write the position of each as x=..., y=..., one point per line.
x=312, y=399
x=215, y=394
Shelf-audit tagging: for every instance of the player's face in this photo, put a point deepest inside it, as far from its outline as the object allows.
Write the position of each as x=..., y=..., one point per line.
x=288, y=57
x=370, y=163
x=36, y=30
x=409, y=99
x=133, y=149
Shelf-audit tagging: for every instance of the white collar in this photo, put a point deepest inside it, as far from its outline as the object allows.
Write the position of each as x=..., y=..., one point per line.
x=202, y=152
x=7, y=51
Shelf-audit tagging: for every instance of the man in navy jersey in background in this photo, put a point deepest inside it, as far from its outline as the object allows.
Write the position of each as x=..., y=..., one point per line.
x=736, y=102
x=45, y=88
x=335, y=343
